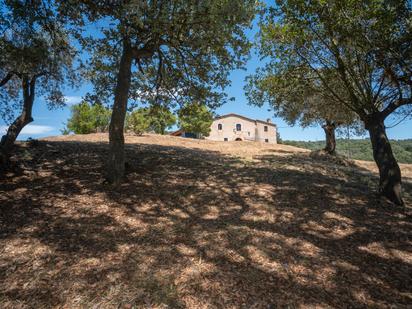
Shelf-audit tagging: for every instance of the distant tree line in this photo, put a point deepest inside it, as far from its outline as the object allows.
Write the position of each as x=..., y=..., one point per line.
x=360, y=149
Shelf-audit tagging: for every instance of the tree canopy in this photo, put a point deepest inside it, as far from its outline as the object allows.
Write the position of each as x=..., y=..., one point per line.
x=34, y=44
x=342, y=38
x=36, y=58
x=298, y=96
x=86, y=118
x=138, y=121
x=183, y=50
x=160, y=118
x=195, y=118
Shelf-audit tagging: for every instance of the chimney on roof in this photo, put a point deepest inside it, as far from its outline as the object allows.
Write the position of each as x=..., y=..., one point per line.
x=268, y=120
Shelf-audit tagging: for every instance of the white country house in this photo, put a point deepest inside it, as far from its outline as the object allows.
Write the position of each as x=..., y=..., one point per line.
x=234, y=127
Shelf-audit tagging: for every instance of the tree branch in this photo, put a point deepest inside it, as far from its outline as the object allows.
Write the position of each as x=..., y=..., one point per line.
x=144, y=52
x=159, y=77
x=33, y=86
x=6, y=79
x=394, y=106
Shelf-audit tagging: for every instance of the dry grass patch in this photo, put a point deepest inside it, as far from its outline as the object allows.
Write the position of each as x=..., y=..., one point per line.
x=197, y=224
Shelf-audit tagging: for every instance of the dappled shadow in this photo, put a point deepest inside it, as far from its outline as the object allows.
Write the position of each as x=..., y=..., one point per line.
x=193, y=228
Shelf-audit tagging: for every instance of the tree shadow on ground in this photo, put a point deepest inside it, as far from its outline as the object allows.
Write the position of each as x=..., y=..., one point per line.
x=192, y=228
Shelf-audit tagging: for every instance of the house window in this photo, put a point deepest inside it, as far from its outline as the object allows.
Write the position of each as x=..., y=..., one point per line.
x=238, y=127
x=265, y=128
x=225, y=139
x=219, y=126
x=266, y=140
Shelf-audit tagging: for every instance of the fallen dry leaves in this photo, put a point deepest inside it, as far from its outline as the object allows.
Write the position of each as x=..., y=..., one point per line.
x=198, y=224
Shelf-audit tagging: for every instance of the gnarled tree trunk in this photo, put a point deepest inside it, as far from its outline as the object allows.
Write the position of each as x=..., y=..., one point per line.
x=7, y=141
x=329, y=129
x=389, y=172
x=116, y=162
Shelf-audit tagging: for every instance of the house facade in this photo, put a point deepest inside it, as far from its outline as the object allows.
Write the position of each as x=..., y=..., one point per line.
x=233, y=127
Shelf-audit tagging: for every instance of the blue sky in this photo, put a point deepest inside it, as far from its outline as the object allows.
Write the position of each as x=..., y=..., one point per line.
x=50, y=122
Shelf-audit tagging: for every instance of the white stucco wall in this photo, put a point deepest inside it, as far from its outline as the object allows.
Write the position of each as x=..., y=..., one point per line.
x=250, y=130
x=270, y=135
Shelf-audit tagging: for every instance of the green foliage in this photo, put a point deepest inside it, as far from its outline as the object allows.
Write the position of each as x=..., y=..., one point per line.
x=278, y=138
x=86, y=118
x=297, y=96
x=34, y=47
x=160, y=118
x=138, y=121
x=155, y=118
x=360, y=149
x=350, y=51
x=340, y=44
x=195, y=118
x=65, y=131
x=183, y=50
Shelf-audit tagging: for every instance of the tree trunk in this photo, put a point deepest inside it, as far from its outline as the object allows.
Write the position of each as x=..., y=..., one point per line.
x=116, y=162
x=389, y=171
x=329, y=129
x=7, y=141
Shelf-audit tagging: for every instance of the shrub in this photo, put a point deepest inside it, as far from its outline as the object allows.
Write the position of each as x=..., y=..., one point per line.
x=138, y=121
x=195, y=118
x=86, y=118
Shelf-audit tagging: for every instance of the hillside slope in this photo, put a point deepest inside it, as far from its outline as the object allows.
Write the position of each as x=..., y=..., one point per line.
x=242, y=149
x=198, y=224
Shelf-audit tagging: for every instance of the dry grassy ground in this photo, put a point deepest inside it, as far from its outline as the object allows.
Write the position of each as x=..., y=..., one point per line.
x=198, y=224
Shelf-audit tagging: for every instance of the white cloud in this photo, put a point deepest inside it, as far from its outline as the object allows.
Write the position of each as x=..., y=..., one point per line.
x=30, y=129
x=36, y=129
x=72, y=100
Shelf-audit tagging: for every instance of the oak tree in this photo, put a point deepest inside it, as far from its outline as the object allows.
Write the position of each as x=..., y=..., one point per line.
x=367, y=45
x=297, y=96
x=36, y=58
x=161, y=51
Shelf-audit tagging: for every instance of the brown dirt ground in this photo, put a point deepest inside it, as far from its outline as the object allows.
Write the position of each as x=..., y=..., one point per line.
x=199, y=224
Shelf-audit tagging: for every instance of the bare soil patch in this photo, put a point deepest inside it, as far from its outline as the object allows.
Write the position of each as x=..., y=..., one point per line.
x=198, y=224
